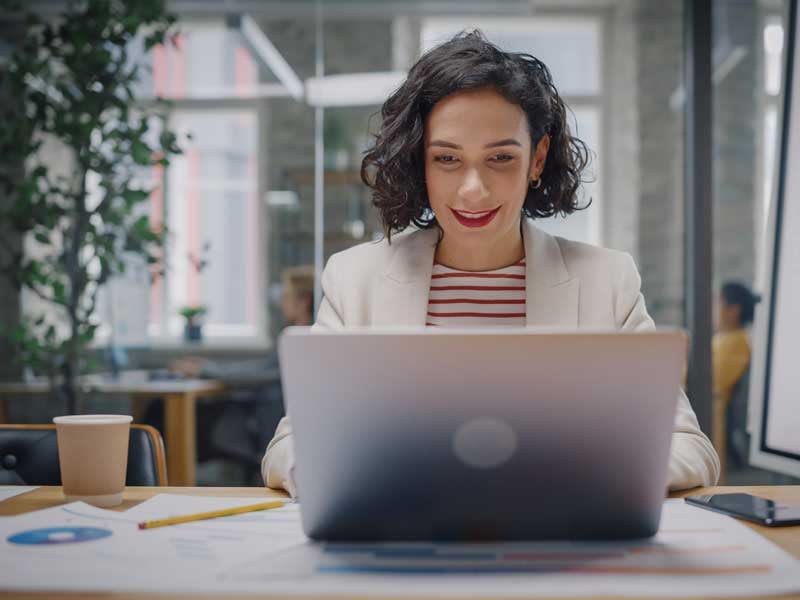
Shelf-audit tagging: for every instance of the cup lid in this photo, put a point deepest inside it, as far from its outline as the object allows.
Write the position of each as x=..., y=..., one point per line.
x=93, y=419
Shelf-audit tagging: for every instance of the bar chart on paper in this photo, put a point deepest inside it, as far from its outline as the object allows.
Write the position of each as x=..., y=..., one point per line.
x=429, y=559
x=694, y=553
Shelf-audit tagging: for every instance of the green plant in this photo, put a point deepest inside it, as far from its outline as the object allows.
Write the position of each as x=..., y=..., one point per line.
x=192, y=312
x=74, y=84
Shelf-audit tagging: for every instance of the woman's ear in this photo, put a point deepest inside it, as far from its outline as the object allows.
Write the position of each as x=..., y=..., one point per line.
x=539, y=157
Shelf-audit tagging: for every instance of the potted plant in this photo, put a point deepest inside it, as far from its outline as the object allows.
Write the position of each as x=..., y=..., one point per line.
x=74, y=85
x=193, y=328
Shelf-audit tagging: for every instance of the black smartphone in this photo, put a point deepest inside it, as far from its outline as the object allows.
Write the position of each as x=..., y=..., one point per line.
x=752, y=508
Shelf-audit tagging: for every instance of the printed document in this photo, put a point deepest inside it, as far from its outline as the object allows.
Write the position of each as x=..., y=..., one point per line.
x=76, y=547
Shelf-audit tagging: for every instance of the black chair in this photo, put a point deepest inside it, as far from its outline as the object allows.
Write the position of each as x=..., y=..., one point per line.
x=29, y=456
x=738, y=450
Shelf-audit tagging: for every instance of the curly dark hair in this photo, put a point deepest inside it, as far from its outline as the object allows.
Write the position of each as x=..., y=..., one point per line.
x=394, y=168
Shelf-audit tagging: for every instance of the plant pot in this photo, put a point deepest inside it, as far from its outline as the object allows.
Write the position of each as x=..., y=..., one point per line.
x=192, y=331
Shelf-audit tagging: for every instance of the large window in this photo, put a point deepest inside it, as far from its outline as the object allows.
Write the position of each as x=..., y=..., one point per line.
x=748, y=72
x=212, y=215
x=247, y=186
x=773, y=43
x=209, y=197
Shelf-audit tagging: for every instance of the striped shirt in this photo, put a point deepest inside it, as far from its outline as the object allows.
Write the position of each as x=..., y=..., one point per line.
x=477, y=299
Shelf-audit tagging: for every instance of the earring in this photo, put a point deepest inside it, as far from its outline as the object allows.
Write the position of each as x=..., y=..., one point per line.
x=538, y=183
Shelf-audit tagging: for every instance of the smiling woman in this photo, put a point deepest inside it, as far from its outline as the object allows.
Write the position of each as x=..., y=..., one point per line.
x=477, y=178
x=472, y=148
x=516, y=124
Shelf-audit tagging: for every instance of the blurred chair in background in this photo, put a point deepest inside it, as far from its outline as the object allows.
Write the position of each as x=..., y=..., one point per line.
x=29, y=456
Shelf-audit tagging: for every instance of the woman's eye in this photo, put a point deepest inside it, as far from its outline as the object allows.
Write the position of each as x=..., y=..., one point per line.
x=502, y=158
x=445, y=158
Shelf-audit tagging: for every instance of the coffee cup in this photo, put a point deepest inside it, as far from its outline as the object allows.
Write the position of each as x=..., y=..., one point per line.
x=93, y=456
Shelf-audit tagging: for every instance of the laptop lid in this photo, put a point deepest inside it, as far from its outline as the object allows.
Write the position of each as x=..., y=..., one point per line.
x=481, y=434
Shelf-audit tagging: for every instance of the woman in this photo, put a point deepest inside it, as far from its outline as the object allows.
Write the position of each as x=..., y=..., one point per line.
x=472, y=147
x=730, y=353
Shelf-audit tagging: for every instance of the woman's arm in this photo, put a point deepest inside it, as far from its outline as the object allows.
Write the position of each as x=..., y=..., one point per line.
x=277, y=466
x=693, y=460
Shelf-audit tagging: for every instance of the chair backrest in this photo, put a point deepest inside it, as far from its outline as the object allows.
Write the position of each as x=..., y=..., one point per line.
x=29, y=456
x=736, y=421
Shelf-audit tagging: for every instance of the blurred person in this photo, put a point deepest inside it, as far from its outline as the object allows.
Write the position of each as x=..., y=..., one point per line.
x=473, y=147
x=730, y=355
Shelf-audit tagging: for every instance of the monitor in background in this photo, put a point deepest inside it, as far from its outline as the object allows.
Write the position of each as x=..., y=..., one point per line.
x=775, y=381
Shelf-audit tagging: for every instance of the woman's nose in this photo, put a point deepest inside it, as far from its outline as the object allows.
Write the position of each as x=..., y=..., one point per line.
x=472, y=188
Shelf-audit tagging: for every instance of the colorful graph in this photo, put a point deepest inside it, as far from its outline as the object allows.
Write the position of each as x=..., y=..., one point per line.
x=58, y=535
x=432, y=559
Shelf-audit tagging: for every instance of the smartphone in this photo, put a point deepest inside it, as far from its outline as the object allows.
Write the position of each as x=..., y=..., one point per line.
x=752, y=508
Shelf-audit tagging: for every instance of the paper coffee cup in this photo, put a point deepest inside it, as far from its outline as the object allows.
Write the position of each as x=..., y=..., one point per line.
x=93, y=456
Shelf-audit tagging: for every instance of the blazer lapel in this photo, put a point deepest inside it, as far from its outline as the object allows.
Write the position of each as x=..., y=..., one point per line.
x=402, y=299
x=551, y=294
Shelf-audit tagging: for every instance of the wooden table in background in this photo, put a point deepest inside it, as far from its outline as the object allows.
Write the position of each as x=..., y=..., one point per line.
x=787, y=538
x=180, y=395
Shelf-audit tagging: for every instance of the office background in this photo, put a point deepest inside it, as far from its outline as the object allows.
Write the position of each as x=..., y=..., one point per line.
x=261, y=160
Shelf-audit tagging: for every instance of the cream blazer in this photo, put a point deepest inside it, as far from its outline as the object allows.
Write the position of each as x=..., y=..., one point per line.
x=568, y=284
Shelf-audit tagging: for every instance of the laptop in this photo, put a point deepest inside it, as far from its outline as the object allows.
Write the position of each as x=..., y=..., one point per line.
x=473, y=435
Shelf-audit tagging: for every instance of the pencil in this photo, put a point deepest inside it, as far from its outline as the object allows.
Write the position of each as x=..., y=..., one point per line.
x=212, y=514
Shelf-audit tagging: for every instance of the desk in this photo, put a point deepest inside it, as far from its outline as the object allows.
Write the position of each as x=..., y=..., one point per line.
x=179, y=395
x=786, y=538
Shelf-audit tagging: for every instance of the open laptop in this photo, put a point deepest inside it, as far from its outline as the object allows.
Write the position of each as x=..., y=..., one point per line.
x=481, y=434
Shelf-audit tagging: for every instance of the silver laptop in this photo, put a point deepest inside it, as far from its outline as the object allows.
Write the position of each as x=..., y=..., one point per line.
x=481, y=434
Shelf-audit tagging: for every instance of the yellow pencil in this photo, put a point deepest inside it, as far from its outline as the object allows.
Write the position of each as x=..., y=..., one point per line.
x=212, y=514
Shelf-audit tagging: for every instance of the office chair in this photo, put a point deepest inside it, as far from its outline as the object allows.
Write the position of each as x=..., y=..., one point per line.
x=738, y=445
x=29, y=456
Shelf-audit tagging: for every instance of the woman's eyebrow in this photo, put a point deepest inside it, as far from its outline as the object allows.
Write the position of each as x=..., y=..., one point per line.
x=506, y=142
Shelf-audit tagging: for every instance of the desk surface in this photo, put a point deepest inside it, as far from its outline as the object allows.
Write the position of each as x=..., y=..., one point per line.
x=787, y=538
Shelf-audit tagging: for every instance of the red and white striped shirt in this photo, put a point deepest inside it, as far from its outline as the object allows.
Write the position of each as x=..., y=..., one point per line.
x=477, y=299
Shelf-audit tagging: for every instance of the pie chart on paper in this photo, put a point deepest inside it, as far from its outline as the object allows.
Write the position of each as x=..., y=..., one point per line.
x=58, y=535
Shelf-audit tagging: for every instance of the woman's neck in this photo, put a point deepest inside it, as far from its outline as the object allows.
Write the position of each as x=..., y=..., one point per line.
x=476, y=258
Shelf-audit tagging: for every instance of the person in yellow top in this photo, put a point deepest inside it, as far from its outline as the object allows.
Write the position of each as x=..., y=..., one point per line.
x=730, y=362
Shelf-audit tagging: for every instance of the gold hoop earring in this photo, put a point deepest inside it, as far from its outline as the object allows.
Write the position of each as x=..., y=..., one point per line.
x=538, y=183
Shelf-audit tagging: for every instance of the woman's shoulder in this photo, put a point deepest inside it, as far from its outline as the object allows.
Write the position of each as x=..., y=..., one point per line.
x=733, y=342
x=372, y=255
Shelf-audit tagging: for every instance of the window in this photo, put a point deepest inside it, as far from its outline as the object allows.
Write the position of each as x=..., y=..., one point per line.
x=773, y=40
x=212, y=215
x=209, y=200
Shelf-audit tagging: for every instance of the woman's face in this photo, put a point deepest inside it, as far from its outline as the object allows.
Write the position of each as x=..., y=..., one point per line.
x=478, y=166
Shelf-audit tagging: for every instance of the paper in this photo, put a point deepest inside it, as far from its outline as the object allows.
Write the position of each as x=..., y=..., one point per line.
x=77, y=547
x=696, y=552
x=9, y=491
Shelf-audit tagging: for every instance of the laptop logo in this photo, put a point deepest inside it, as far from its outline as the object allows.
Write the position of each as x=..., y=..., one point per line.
x=484, y=443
